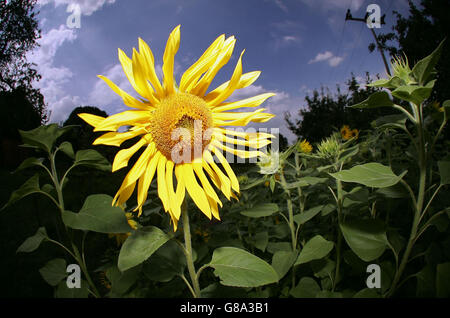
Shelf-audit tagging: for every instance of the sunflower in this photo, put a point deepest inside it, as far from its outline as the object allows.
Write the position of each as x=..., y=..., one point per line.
x=304, y=146
x=181, y=127
x=346, y=132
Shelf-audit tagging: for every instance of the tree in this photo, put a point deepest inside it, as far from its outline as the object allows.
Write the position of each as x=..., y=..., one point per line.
x=326, y=113
x=19, y=32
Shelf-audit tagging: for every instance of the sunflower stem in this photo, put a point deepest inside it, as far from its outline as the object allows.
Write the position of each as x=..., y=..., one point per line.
x=188, y=248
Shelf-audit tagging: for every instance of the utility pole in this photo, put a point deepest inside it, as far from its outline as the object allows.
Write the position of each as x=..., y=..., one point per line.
x=350, y=17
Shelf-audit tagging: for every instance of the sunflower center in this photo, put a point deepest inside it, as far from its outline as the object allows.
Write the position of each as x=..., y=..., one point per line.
x=179, y=127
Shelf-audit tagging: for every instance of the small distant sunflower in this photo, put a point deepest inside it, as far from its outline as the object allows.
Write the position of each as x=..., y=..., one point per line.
x=164, y=110
x=304, y=146
x=347, y=133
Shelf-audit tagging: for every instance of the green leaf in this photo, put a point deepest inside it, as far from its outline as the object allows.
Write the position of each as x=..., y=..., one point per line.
x=442, y=280
x=315, y=248
x=43, y=137
x=140, y=245
x=413, y=94
x=29, y=187
x=282, y=261
x=366, y=238
x=423, y=69
x=236, y=267
x=390, y=121
x=62, y=291
x=377, y=99
x=92, y=158
x=393, y=82
x=307, y=287
x=444, y=171
x=260, y=240
x=307, y=215
x=261, y=210
x=54, y=271
x=370, y=174
x=29, y=162
x=122, y=281
x=98, y=215
x=33, y=242
x=67, y=148
x=166, y=263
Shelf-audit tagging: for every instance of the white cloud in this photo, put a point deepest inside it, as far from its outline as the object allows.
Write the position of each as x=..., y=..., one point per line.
x=53, y=76
x=332, y=60
x=87, y=6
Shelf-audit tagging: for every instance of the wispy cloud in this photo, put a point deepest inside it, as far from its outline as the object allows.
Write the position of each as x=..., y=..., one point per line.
x=87, y=7
x=329, y=57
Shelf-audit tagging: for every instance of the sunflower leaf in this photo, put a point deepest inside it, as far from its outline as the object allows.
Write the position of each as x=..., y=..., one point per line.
x=33, y=242
x=236, y=267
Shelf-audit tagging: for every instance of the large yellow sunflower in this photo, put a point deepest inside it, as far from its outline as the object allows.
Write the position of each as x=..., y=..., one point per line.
x=181, y=127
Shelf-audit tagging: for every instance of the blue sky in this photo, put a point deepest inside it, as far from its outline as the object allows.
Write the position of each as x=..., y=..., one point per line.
x=299, y=45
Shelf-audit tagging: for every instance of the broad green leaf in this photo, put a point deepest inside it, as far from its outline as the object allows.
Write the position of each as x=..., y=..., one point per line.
x=444, y=171
x=390, y=121
x=54, y=271
x=413, y=94
x=236, y=267
x=377, y=99
x=261, y=210
x=424, y=68
x=315, y=248
x=370, y=174
x=29, y=187
x=426, y=282
x=442, y=280
x=393, y=82
x=43, y=137
x=33, y=242
x=62, y=291
x=166, y=263
x=29, y=162
x=367, y=238
x=122, y=281
x=282, y=261
x=323, y=268
x=307, y=287
x=67, y=148
x=98, y=215
x=92, y=158
x=260, y=240
x=307, y=215
x=140, y=245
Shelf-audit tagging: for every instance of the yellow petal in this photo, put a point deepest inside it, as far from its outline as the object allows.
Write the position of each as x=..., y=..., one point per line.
x=229, y=171
x=241, y=118
x=123, y=156
x=129, y=117
x=246, y=80
x=162, y=184
x=248, y=102
x=238, y=152
x=226, y=50
x=172, y=46
x=218, y=177
x=198, y=169
x=140, y=80
x=91, y=119
x=149, y=62
x=117, y=138
x=146, y=180
x=127, y=98
x=195, y=191
x=175, y=206
x=193, y=73
x=253, y=143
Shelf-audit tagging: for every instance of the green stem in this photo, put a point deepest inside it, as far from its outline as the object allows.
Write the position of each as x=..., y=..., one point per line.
x=188, y=250
x=290, y=211
x=339, y=234
x=419, y=203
